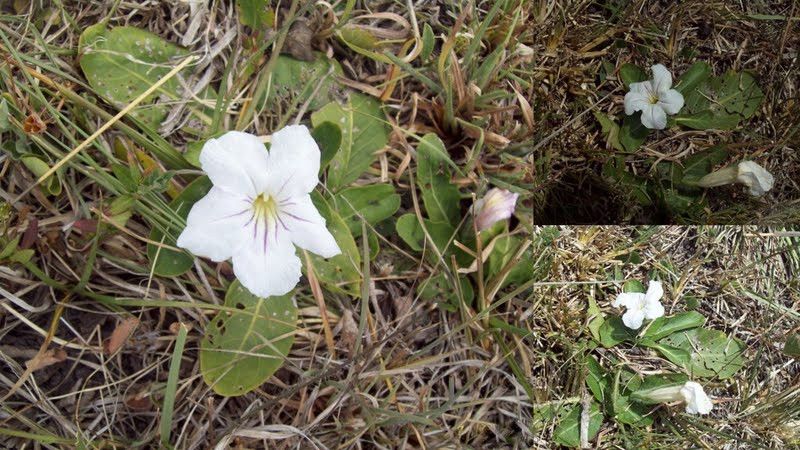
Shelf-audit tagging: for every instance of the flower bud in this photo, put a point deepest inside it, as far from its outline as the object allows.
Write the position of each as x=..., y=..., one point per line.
x=498, y=204
x=691, y=393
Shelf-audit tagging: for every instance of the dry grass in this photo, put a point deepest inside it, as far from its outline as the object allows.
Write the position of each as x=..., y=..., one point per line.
x=418, y=377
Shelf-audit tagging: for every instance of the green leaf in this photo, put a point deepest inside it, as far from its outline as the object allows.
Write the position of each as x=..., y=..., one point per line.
x=411, y=232
x=363, y=133
x=329, y=138
x=439, y=288
x=358, y=38
x=630, y=73
x=613, y=331
x=293, y=82
x=610, y=130
x=504, y=250
x=428, y=42
x=633, y=133
x=441, y=198
x=700, y=164
x=596, y=379
x=9, y=248
x=170, y=263
x=374, y=203
x=697, y=74
x=244, y=345
x=635, y=286
x=409, y=229
x=791, y=348
x=721, y=102
x=254, y=13
x=664, y=326
x=568, y=431
x=123, y=62
x=711, y=352
x=4, y=123
x=51, y=184
x=677, y=356
x=342, y=273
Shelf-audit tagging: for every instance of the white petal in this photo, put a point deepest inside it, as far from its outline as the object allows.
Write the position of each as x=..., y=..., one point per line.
x=653, y=309
x=638, y=98
x=654, y=117
x=268, y=266
x=633, y=318
x=628, y=300
x=697, y=402
x=671, y=101
x=306, y=227
x=293, y=162
x=757, y=178
x=654, y=291
x=236, y=162
x=214, y=226
x=662, y=79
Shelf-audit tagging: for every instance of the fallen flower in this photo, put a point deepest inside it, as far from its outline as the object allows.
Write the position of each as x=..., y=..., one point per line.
x=654, y=98
x=498, y=204
x=259, y=208
x=756, y=178
x=641, y=306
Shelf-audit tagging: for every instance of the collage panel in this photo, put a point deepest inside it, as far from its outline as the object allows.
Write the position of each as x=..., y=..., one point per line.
x=666, y=113
x=665, y=336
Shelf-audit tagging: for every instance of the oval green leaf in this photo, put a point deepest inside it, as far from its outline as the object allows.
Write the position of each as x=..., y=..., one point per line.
x=245, y=344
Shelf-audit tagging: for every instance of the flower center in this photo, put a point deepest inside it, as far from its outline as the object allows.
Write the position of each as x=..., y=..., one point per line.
x=653, y=99
x=265, y=207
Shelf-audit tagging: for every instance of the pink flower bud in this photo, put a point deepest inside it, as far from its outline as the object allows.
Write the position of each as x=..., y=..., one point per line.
x=498, y=204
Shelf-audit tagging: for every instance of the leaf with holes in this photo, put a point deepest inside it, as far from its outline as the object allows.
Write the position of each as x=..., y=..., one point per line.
x=295, y=82
x=244, y=345
x=712, y=353
x=721, y=102
x=171, y=263
x=440, y=197
x=123, y=62
x=364, y=132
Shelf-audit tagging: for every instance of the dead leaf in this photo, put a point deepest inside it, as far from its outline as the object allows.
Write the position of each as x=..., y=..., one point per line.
x=139, y=402
x=42, y=360
x=349, y=332
x=34, y=125
x=30, y=235
x=298, y=41
x=120, y=335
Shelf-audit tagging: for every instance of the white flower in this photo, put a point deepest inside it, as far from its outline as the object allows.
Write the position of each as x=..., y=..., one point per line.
x=498, y=204
x=654, y=98
x=754, y=177
x=259, y=208
x=748, y=173
x=641, y=306
x=697, y=402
